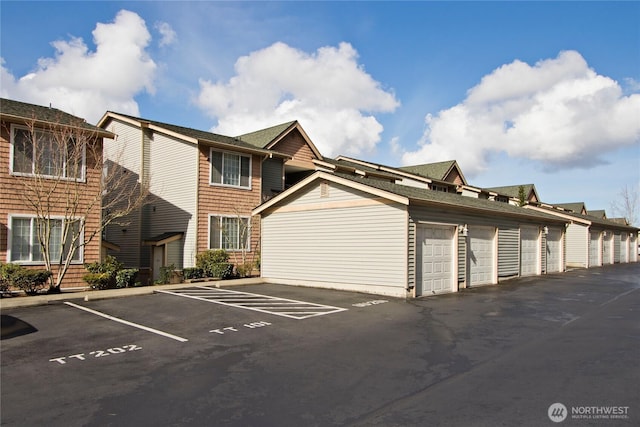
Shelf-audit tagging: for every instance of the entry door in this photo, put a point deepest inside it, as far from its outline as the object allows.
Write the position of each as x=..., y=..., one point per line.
x=158, y=261
x=554, y=250
x=594, y=249
x=434, y=260
x=529, y=251
x=481, y=255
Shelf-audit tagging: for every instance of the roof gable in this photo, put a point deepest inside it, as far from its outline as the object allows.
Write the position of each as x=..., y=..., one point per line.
x=577, y=207
x=444, y=171
x=513, y=191
x=269, y=137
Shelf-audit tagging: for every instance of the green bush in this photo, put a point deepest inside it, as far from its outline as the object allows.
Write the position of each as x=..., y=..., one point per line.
x=7, y=271
x=110, y=265
x=31, y=281
x=245, y=270
x=99, y=281
x=214, y=263
x=193, y=273
x=168, y=274
x=126, y=278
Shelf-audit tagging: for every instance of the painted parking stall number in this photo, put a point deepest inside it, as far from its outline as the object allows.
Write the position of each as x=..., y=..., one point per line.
x=370, y=303
x=252, y=325
x=96, y=354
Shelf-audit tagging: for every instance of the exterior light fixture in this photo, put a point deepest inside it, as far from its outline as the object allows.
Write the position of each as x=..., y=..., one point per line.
x=463, y=229
x=545, y=230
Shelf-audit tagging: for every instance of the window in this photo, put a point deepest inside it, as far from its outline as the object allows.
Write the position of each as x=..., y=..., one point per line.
x=230, y=169
x=229, y=232
x=25, y=246
x=47, y=157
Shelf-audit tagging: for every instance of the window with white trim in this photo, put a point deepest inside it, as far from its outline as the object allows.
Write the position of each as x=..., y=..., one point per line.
x=229, y=232
x=24, y=243
x=44, y=154
x=230, y=169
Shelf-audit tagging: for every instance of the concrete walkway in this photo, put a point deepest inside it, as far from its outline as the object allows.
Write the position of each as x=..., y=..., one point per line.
x=28, y=301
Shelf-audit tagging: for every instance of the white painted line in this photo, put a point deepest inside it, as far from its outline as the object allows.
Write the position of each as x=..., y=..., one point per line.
x=135, y=325
x=261, y=303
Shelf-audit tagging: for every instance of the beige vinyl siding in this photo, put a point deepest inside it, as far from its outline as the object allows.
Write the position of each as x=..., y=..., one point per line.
x=126, y=150
x=174, y=178
x=577, y=238
x=633, y=244
x=325, y=242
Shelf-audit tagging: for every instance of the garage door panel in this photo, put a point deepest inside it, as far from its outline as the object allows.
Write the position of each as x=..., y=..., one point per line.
x=481, y=256
x=594, y=249
x=434, y=259
x=554, y=251
x=529, y=251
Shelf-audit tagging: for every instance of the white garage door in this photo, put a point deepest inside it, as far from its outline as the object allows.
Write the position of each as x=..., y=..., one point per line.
x=554, y=250
x=594, y=249
x=529, y=251
x=624, y=248
x=434, y=260
x=481, y=255
x=607, y=252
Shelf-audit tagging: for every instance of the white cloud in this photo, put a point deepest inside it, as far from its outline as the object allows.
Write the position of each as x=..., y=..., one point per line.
x=559, y=113
x=327, y=91
x=169, y=36
x=87, y=83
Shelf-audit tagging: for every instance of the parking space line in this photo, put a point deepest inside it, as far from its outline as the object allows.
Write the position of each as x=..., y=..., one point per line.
x=292, y=309
x=125, y=322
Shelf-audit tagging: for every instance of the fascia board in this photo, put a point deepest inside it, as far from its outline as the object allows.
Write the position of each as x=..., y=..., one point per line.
x=559, y=215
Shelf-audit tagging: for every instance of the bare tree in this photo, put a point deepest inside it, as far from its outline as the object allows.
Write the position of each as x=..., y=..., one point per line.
x=627, y=205
x=72, y=194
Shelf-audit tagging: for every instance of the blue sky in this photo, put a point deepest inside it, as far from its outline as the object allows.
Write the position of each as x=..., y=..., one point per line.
x=542, y=92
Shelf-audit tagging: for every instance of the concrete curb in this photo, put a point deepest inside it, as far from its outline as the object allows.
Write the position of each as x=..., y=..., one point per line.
x=31, y=301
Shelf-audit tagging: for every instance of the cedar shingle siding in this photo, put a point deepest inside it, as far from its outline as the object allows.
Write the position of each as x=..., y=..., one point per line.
x=11, y=196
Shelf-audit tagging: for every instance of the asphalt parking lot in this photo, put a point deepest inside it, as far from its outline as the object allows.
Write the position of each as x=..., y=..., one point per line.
x=272, y=355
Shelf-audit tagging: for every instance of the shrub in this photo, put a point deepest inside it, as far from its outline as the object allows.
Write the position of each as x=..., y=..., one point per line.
x=193, y=273
x=126, y=278
x=7, y=271
x=227, y=272
x=213, y=263
x=31, y=281
x=244, y=270
x=99, y=281
x=110, y=265
x=168, y=274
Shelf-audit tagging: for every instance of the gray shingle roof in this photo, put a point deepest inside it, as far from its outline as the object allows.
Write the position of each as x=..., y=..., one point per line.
x=573, y=207
x=512, y=190
x=456, y=201
x=26, y=112
x=436, y=170
x=203, y=136
x=603, y=223
x=262, y=138
x=358, y=166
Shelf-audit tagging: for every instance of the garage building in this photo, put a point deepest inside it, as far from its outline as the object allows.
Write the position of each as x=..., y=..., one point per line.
x=358, y=234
